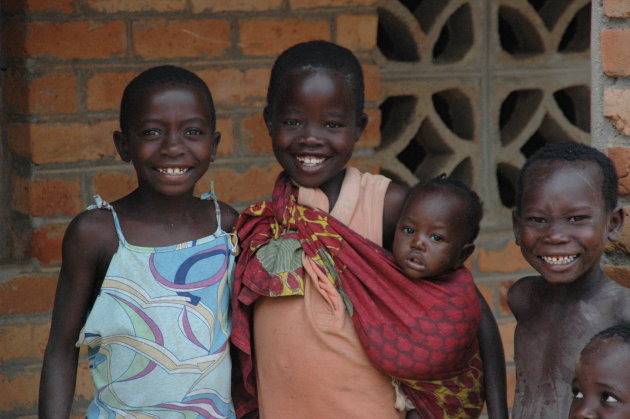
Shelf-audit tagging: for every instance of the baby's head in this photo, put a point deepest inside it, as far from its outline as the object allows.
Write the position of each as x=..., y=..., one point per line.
x=167, y=123
x=314, y=110
x=566, y=198
x=601, y=383
x=437, y=228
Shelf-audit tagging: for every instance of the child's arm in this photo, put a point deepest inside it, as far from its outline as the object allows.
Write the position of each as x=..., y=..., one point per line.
x=84, y=253
x=493, y=359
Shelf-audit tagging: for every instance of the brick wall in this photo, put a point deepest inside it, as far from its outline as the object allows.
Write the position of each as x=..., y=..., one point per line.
x=67, y=63
x=611, y=109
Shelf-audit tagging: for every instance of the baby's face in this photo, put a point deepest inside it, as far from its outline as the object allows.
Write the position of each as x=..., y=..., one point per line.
x=601, y=384
x=430, y=234
x=563, y=226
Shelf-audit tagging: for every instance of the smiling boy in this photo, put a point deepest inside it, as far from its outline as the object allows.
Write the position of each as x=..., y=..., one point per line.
x=566, y=211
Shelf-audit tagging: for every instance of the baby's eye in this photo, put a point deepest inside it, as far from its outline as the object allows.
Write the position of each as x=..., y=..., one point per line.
x=408, y=230
x=437, y=238
x=536, y=219
x=577, y=394
x=150, y=132
x=609, y=398
x=291, y=122
x=192, y=131
x=577, y=218
x=333, y=124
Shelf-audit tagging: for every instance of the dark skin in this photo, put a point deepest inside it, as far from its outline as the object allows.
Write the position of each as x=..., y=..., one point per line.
x=562, y=229
x=172, y=128
x=315, y=117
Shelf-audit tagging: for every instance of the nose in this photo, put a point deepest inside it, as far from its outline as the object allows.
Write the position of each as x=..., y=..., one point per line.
x=173, y=144
x=555, y=233
x=417, y=242
x=311, y=135
x=584, y=410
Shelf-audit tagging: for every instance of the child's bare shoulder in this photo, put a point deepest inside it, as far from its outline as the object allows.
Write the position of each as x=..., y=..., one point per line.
x=519, y=296
x=93, y=224
x=228, y=216
x=617, y=297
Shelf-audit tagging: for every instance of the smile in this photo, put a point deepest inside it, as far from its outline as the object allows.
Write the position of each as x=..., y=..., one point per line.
x=310, y=160
x=559, y=260
x=174, y=171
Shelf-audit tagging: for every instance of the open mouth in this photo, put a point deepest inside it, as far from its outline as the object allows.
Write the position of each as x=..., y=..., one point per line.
x=310, y=161
x=415, y=263
x=173, y=171
x=559, y=260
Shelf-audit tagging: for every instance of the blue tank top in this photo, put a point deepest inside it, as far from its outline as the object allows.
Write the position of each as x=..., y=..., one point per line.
x=158, y=333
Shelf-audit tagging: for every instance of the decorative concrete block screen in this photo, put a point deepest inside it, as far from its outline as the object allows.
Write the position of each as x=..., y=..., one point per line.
x=472, y=88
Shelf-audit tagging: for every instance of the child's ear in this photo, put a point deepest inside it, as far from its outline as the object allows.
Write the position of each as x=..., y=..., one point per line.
x=267, y=117
x=217, y=139
x=515, y=226
x=467, y=251
x=615, y=223
x=361, y=124
x=122, y=146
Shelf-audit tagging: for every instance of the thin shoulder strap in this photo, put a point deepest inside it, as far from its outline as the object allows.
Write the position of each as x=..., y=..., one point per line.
x=217, y=208
x=100, y=203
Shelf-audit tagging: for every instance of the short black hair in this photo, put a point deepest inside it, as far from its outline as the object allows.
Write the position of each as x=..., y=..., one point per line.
x=474, y=207
x=621, y=331
x=571, y=151
x=161, y=76
x=317, y=55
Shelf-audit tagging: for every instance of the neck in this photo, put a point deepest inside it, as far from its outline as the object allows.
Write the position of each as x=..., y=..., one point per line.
x=586, y=286
x=332, y=188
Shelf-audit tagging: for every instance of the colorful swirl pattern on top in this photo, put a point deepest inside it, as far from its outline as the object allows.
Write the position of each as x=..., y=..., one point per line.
x=158, y=333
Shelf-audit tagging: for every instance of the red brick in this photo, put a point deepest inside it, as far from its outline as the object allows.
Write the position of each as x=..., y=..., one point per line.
x=37, y=6
x=507, y=259
x=47, y=94
x=507, y=337
x=69, y=40
x=20, y=194
x=46, y=244
x=199, y=6
x=105, y=90
x=63, y=143
x=619, y=274
x=162, y=38
x=617, y=8
x=617, y=109
x=18, y=138
x=22, y=342
x=511, y=385
x=357, y=32
x=115, y=6
x=260, y=37
x=371, y=137
x=238, y=87
x=236, y=188
x=372, y=76
x=51, y=197
x=226, y=145
x=615, y=52
x=18, y=391
x=85, y=385
x=256, y=135
x=620, y=157
x=113, y=185
x=312, y=4
x=504, y=287
x=27, y=294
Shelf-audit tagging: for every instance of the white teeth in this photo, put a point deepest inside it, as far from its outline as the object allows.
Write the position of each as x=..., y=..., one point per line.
x=310, y=161
x=558, y=260
x=173, y=170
